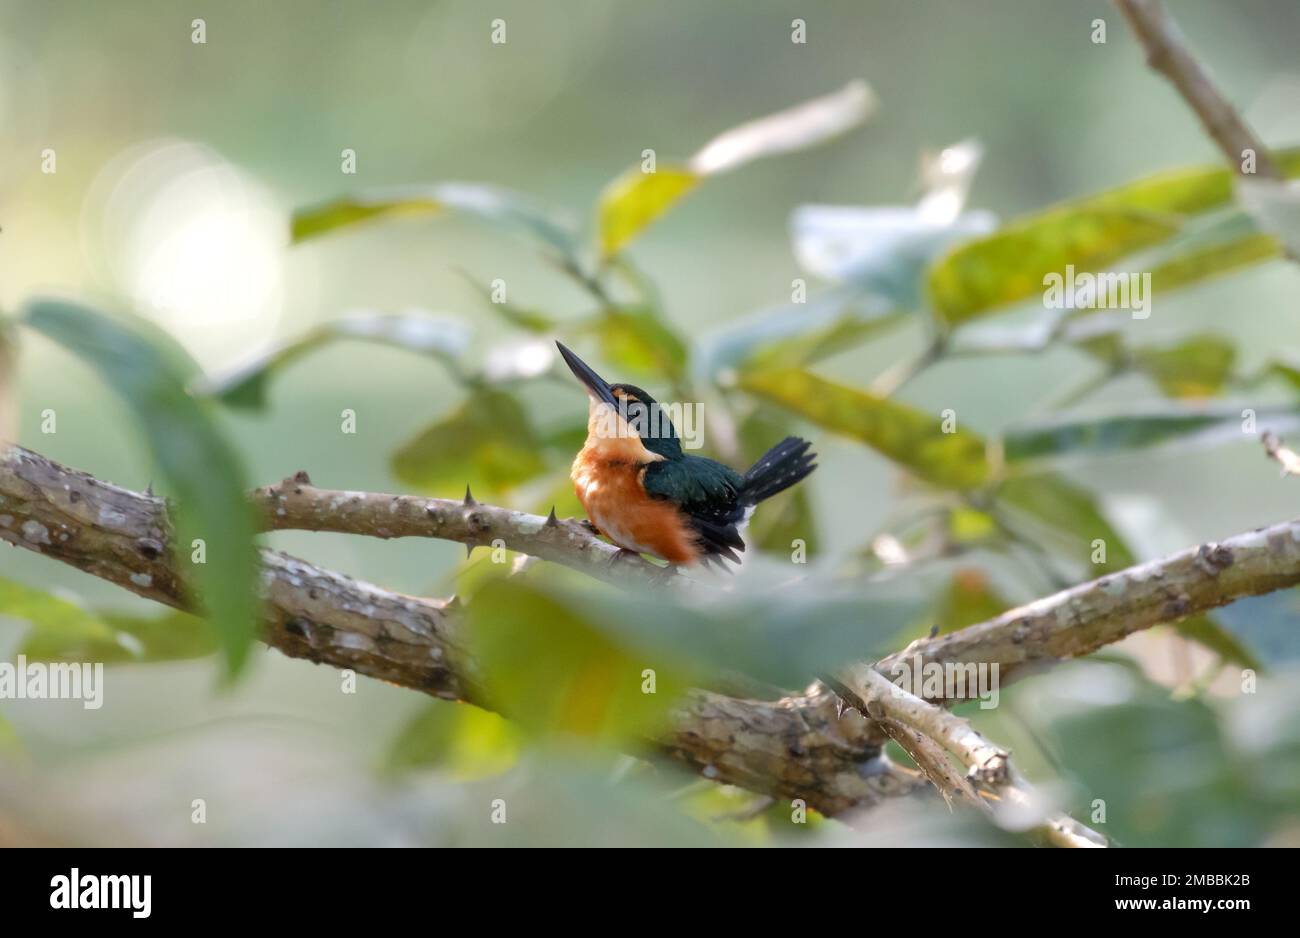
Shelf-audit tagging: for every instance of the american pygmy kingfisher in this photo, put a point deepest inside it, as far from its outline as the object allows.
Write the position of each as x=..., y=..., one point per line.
x=643, y=493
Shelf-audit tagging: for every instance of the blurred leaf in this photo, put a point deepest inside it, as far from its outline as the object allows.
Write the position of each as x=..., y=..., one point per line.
x=1207, y=631
x=1198, y=366
x=10, y=744
x=62, y=630
x=57, y=623
x=490, y=204
x=1078, y=436
x=8, y=357
x=463, y=740
x=781, y=637
x=200, y=467
x=526, y=319
x=969, y=598
x=1267, y=625
x=1287, y=369
x=486, y=442
x=634, y=199
x=518, y=360
x=967, y=526
x=1090, y=233
x=441, y=338
x=884, y=250
x=796, y=334
x=912, y=438
x=1067, y=517
x=638, y=339
x=1162, y=768
x=1275, y=205
x=1214, y=260
x=552, y=670
x=796, y=128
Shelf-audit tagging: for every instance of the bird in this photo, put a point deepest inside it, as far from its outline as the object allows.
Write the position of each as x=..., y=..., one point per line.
x=643, y=493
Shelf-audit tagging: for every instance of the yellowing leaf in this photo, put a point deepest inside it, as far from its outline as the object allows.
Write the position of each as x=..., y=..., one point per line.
x=496, y=206
x=1091, y=233
x=910, y=437
x=635, y=199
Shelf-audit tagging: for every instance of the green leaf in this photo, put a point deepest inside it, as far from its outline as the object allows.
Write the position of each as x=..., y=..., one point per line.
x=910, y=437
x=1066, y=517
x=496, y=206
x=1163, y=769
x=10, y=744
x=57, y=623
x=797, y=334
x=463, y=740
x=552, y=670
x=1090, y=233
x=633, y=200
x=441, y=338
x=781, y=637
x=638, y=339
x=486, y=442
x=200, y=468
x=884, y=250
x=526, y=319
x=62, y=630
x=1208, y=632
x=1091, y=436
x=1267, y=624
x=1198, y=366
x=1214, y=260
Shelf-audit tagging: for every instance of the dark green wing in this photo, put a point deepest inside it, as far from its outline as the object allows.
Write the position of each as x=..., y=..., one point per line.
x=708, y=493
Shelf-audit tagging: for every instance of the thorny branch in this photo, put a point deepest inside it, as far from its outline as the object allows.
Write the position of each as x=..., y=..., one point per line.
x=800, y=746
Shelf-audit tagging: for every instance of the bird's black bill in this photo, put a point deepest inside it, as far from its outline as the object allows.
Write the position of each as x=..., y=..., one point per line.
x=594, y=382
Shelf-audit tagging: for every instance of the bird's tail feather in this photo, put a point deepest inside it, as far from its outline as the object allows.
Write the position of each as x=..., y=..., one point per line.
x=776, y=470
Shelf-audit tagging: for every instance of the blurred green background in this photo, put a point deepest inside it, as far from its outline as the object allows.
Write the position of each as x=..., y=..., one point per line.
x=178, y=166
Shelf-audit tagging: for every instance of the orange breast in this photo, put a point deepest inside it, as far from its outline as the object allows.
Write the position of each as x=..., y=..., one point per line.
x=610, y=490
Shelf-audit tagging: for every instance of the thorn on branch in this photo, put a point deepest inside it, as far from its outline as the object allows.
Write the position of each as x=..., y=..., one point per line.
x=469, y=498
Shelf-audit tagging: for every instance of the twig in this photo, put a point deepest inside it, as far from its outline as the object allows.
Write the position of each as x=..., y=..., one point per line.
x=989, y=765
x=295, y=504
x=1168, y=54
x=1285, y=456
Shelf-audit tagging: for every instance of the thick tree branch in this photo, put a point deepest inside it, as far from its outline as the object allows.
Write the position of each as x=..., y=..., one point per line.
x=1168, y=54
x=1084, y=618
x=797, y=747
